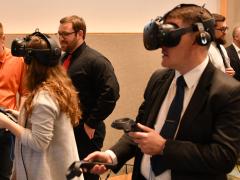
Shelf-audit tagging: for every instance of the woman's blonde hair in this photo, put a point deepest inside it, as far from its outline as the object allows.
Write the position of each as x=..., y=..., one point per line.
x=55, y=81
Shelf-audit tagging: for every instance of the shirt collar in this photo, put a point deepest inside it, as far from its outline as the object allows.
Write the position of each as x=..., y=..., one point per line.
x=214, y=44
x=236, y=47
x=192, y=77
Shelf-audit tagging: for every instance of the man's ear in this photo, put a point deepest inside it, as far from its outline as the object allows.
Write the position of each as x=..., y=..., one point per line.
x=80, y=33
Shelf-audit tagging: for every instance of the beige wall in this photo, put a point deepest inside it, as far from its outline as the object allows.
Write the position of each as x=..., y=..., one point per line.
x=23, y=16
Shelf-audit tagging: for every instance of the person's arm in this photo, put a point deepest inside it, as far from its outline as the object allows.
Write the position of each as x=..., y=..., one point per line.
x=7, y=123
x=44, y=114
x=89, y=131
x=99, y=91
x=120, y=153
x=148, y=140
x=230, y=71
x=107, y=91
x=42, y=119
x=99, y=157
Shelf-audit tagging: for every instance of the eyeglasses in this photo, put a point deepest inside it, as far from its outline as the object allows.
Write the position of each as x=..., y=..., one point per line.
x=65, y=34
x=222, y=29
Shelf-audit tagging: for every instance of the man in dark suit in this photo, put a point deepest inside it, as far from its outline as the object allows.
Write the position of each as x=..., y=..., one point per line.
x=94, y=78
x=203, y=141
x=217, y=52
x=234, y=52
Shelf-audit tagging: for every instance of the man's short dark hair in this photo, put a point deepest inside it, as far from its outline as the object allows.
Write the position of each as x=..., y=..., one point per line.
x=189, y=13
x=1, y=29
x=78, y=23
x=218, y=17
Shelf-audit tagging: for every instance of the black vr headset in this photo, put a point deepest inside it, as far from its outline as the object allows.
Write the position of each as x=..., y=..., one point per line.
x=47, y=57
x=156, y=34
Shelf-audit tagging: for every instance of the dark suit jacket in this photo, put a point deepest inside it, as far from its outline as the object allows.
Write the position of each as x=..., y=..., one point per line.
x=234, y=60
x=93, y=76
x=208, y=139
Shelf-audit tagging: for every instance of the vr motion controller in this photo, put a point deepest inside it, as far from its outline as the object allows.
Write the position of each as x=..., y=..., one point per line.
x=76, y=168
x=125, y=124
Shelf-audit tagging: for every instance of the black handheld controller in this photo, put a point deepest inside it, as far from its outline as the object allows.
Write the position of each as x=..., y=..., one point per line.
x=126, y=124
x=75, y=168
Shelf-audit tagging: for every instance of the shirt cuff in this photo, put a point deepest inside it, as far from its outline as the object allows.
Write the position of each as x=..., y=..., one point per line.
x=112, y=155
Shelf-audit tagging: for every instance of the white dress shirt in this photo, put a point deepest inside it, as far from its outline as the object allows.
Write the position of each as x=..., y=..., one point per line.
x=216, y=58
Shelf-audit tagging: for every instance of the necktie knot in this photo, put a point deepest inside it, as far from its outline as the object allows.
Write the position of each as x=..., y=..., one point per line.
x=181, y=82
x=66, y=62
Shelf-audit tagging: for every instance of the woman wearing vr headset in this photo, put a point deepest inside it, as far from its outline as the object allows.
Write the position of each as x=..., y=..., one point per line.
x=45, y=144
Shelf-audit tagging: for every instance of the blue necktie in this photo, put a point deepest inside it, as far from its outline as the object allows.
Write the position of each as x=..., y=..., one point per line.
x=171, y=123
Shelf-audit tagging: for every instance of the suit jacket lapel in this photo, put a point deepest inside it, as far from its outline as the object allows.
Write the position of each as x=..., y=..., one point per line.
x=198, y=99
x=158, y=96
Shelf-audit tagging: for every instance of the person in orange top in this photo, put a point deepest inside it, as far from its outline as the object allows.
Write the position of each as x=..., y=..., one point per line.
x=12, y=95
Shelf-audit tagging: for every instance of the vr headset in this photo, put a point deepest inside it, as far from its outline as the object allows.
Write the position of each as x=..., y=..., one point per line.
x=156, y=34
x=47, y=57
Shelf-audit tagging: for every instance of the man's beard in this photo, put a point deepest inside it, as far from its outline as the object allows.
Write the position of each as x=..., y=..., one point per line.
x=72, y=46
x=220, y=41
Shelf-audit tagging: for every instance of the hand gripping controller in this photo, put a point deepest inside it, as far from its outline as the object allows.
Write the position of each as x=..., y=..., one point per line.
x=8, y=114
x=126, y=124
x=75, y=168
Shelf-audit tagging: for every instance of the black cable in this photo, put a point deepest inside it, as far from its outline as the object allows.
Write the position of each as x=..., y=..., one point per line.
x=226, y=65
x=12, y=139
x=108, y=175
x=24, y=166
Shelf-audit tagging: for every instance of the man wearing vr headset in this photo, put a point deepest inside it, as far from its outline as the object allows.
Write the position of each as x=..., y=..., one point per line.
x=203, y=141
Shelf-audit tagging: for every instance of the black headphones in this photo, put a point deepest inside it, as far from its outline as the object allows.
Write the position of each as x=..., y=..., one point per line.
x=156, y=34
x=47, y=57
